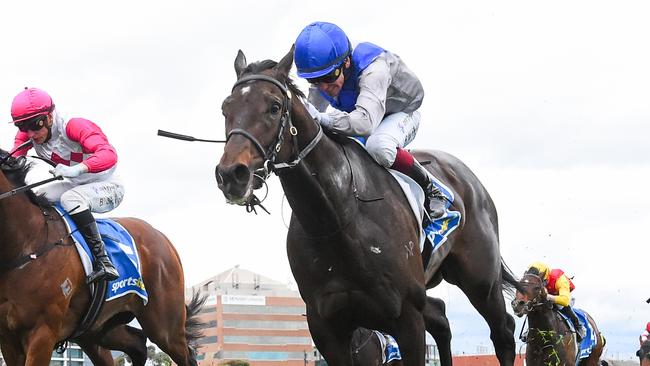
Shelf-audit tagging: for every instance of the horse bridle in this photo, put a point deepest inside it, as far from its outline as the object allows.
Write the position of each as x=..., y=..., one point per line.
x=269, y=155
x=535, y=302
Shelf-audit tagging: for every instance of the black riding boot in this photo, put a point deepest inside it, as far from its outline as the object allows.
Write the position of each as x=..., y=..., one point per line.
x=102, y=266
x=580, y=329
x=435, y=201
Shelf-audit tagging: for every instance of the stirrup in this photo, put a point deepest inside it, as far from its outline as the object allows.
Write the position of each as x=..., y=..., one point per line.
x=104, y=272
x=439, y=201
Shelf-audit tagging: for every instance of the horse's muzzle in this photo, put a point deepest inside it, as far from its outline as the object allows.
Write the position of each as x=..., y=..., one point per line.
x=518, y=307
x=235, y=182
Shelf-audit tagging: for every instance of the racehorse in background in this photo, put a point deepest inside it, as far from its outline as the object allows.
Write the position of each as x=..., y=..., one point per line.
x=353, y=238
x=43, y=291
x=644, y=353
x=550, y=340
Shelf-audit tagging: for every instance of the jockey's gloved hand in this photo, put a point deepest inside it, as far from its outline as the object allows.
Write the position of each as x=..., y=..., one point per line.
x=323, y=118
x=69, y=171
x=550, y=297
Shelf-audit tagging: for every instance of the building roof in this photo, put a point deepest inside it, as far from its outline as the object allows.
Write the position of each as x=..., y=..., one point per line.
x=237, y=280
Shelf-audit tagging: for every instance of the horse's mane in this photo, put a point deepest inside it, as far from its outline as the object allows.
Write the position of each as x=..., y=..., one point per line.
x=259, y=66
x=15, y=171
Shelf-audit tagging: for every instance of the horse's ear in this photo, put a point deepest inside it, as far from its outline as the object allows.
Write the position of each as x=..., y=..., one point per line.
x=285, y=64
x=240, y=63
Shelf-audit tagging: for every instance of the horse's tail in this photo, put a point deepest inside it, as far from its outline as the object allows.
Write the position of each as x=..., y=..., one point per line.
x=193, y=327
x=509, y=281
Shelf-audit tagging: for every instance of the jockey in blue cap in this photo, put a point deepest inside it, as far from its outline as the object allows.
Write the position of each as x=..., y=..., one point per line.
x=374, y=95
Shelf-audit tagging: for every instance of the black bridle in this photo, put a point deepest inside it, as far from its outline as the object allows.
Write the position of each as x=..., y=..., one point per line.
x=536, y=301
x=270, y=154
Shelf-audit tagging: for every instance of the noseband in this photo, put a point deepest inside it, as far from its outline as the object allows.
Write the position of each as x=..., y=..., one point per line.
x=269, y=155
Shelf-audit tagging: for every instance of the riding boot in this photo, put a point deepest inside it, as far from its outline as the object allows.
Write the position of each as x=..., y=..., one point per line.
x=435, y=200
x=102, y=266
x=580, y=329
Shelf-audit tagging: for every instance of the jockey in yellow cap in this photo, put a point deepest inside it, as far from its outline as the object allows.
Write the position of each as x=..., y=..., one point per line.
x=558, y=288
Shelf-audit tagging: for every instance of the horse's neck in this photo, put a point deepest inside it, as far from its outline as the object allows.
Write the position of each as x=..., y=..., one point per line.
x=547, y=333
x=18, y=222
x=319, y=190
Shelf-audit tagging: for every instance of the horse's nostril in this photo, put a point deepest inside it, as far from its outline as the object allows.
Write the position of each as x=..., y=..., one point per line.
x=242, y=174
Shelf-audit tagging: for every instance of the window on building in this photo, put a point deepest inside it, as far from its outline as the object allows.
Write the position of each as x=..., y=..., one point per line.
x=75, y=353
x=263, y=309
x=265, y=324
x=276, y=340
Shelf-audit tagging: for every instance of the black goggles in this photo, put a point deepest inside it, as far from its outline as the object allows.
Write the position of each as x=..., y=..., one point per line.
x=32, y=124
x=327, y=78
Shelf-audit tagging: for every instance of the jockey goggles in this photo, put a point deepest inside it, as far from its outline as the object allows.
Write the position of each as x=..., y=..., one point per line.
x=327, y=78
x=32, y=124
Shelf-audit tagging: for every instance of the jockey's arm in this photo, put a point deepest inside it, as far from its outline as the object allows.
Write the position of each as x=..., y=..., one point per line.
x=21, y=138
x=563, y=297
x=92, y=139
x=370, y=105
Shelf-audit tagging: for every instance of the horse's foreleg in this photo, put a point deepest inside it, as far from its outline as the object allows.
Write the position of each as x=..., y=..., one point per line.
x=409, y=334
x=120, y=338
x=39, y=345
x=11, y=354
x=332, y=342
x=437, y=325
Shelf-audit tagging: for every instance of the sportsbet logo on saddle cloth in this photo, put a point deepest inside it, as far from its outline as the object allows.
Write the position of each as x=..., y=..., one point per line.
x=122, y=251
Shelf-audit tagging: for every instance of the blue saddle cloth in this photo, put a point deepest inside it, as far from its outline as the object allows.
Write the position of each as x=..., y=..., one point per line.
x=439, y=229
x=121, y=248
x=392, y=349
x=589, y=341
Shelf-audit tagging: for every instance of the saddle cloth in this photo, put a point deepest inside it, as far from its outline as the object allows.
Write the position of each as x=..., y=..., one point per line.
x=589, y=341
x=439, y=229
x=390, y=347
x=120, y=247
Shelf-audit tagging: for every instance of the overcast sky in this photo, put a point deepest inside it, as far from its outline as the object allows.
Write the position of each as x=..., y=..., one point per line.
x=547, y=101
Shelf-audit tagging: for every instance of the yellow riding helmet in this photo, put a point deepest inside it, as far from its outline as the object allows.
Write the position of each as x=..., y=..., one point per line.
x=541, y=267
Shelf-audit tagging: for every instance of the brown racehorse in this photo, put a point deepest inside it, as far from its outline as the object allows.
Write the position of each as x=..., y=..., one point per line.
x=550, y=341
x=644, y=353
x=44, y=296
x=353, y=240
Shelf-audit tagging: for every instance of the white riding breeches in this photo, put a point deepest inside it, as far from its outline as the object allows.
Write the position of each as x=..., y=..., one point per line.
x=100, y=195
x=395, y=130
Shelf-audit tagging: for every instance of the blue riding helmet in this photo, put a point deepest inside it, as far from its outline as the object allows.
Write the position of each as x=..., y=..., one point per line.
x=320, y=48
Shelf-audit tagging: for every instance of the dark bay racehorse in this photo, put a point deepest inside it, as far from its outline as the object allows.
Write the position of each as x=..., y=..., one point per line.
x=644, y=353
x=44, y=296
x=353, y=242
x=549, y=340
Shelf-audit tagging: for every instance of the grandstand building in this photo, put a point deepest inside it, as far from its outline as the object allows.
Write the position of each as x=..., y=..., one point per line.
x=251, y=317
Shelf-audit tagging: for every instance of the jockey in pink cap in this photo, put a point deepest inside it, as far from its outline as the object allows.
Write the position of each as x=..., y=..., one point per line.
x=84, y=158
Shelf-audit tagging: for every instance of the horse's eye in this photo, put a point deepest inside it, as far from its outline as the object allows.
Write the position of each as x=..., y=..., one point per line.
x=275, y=108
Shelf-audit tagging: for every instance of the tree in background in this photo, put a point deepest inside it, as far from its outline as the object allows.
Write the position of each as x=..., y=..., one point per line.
x=235, y=363
x=158, y=358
